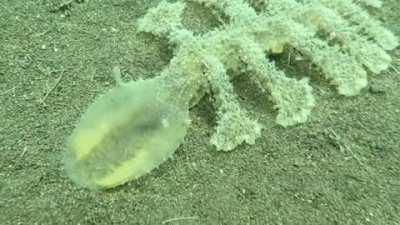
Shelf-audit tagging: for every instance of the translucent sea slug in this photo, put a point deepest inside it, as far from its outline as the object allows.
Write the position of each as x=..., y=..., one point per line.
x=124, y=134
x=137, y=125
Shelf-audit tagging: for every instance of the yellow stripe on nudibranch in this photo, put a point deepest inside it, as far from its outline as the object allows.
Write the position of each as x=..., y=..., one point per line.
x=124, y=134
x=87, y=139
x=130, y=169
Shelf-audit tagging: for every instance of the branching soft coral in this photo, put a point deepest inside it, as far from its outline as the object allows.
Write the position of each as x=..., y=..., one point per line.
x=337, y=36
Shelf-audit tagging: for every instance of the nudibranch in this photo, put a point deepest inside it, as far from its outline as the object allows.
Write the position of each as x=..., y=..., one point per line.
x=124, y=134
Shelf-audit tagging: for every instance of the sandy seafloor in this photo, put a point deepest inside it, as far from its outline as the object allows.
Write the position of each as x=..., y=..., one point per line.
x=341, y=167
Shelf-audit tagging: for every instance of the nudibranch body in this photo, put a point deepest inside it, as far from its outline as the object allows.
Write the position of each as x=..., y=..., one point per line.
x=124, y=134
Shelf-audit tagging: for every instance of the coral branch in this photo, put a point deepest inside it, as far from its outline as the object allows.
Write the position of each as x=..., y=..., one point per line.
x=234, y=125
